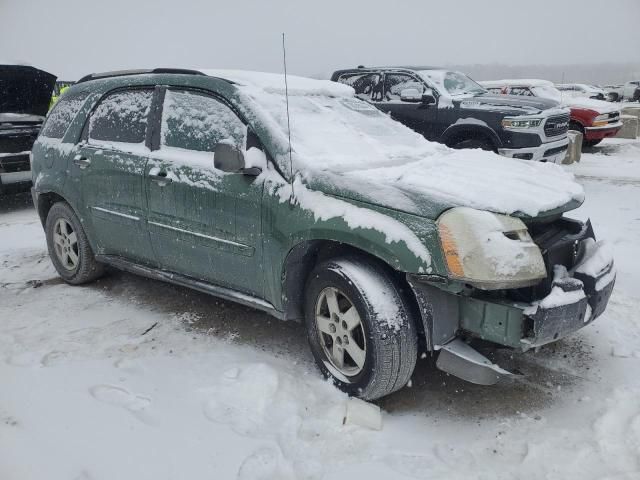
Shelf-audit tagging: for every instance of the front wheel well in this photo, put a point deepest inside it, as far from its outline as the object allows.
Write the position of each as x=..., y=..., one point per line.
x=464, y=134
x=45, y=202
x=304, y=257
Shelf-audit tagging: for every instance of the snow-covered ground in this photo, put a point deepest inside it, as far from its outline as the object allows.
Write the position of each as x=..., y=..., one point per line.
x=130, y=378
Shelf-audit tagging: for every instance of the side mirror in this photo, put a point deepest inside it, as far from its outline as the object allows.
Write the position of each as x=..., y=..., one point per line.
x=229, y=158
x=412, y=95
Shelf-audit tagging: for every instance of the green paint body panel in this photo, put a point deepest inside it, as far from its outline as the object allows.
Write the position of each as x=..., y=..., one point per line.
x=244, y=227
x=501, y=323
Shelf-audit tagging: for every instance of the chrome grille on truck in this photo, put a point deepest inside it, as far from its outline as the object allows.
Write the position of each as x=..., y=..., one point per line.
x=556, y=125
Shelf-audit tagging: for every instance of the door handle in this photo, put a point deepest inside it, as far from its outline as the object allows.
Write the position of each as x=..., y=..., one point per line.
x=82, y=162
x=159, y=177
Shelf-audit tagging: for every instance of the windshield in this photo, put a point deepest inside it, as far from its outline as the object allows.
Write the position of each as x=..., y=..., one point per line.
x=547, y=91
x=454, y=83
x=342, y=133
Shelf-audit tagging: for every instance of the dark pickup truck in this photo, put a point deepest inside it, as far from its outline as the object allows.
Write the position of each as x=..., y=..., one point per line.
x=449, y=107
x=25, y=93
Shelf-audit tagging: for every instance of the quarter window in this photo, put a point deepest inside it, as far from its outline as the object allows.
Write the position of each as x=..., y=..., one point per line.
x=195, y=121
x=63, y=113
x=121, y=117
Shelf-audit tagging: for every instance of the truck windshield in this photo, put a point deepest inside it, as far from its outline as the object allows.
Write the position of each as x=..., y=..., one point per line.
x=547, y=91
x=454, y=83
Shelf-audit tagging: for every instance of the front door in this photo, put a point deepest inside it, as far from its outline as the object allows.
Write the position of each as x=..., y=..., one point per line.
x=111, y=165
x=203, y=222
x=416, y=115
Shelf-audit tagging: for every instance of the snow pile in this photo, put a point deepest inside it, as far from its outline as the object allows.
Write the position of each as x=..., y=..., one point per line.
x=304, y=419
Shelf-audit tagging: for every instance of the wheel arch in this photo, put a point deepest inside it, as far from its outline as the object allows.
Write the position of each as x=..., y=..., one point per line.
x=457, y=133
x=304, y=256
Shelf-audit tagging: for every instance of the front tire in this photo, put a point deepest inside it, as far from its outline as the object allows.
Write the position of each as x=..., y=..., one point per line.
x=475, y=142
x=591, y=143
x=68, y=246
x=360, y=328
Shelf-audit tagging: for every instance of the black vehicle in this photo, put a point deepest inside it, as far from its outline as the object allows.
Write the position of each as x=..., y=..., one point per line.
x=25, y=93
x=449, y=107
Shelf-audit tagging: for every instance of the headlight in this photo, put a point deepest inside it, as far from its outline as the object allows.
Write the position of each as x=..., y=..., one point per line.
x=517, y=124
x=489, y=251
x=601, y=120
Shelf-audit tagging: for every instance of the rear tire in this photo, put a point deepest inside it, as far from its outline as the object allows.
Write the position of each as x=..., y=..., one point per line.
x=359, y=327
x=68, y=246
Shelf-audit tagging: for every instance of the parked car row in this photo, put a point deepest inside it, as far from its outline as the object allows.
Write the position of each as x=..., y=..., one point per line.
x=595, y=119
x=450, y=108
x=308, y=201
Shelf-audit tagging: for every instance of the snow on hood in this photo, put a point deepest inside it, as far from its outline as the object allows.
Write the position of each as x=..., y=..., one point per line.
x=599, y=106
x=349, y=147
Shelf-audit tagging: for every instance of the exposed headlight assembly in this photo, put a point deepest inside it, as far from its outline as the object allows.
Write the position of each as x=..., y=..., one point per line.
x=515, y=123
x=489, y=251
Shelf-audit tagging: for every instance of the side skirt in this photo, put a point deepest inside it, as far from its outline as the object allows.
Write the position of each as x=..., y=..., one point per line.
x=182, y=280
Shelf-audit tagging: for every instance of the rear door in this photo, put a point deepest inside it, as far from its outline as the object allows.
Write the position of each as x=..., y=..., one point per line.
x=111, y=165
x=203, y=222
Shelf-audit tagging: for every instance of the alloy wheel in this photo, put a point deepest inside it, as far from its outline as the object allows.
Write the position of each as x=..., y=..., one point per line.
x=340, y=331
x=65, y=244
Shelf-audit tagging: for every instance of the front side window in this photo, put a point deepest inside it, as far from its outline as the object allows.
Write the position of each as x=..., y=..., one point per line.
x=121, y=117
x=196, y=121
x=63, y=113
x=395, y=83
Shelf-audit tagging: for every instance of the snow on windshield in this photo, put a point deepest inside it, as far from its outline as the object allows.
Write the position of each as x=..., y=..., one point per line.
x=454, y=83
x=357, y=145
x=547, y=91
x=342, y=133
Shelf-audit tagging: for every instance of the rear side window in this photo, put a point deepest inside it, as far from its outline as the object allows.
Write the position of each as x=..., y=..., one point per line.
x=121, y=117
x=195, y=121
x=368, y=85
x=523, y=91
x=63, y=113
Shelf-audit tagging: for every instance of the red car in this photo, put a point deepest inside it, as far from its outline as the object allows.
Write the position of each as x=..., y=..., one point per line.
x=595, y=119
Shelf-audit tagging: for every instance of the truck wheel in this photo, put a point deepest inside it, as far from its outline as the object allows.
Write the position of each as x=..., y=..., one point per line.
x=591, y=143
x=476, y=142
x=68, y=246
x=360, y=328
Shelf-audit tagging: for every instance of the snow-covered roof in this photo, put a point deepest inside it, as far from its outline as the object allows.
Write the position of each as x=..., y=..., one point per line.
x=274, y=83
x=524, y=82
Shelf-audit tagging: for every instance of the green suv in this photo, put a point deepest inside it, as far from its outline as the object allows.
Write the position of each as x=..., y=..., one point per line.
x=308, y=203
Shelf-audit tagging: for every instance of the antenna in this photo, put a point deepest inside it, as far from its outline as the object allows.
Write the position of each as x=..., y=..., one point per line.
x=286, y=94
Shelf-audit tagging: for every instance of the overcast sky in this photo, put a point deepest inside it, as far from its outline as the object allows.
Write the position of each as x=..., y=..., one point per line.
x=72, y=37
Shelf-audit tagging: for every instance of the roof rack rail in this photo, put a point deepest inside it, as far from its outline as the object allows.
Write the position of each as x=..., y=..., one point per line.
x=122, y=73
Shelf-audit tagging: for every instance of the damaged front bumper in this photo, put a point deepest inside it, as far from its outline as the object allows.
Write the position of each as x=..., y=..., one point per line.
x=576, y=298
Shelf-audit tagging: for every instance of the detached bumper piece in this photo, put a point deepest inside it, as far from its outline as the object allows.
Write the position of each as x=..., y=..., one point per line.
x=459, y=359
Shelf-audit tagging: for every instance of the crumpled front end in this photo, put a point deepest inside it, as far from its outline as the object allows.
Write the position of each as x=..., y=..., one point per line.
x=581, y=280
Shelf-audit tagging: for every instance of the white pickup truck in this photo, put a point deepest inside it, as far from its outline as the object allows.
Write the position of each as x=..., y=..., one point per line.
x=629, y=92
